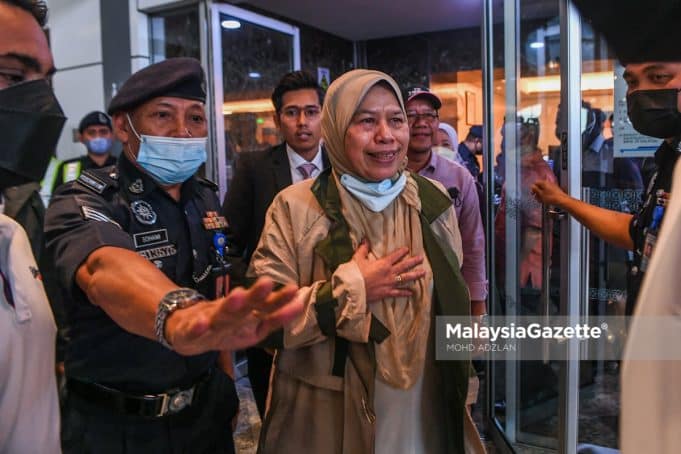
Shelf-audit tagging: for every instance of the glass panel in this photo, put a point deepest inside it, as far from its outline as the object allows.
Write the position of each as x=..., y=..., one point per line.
x=526, y=393
x=612, y=182
x=497, y=369
x=254, y=59
x=175, y=34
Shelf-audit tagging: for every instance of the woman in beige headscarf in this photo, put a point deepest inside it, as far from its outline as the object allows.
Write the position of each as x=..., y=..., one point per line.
x=371, y=246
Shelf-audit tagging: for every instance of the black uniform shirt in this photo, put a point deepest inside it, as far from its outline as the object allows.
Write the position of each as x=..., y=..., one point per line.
x=123, y=207
x=665, y=159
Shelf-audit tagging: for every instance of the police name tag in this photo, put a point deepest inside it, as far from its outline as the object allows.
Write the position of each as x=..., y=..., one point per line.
x=158, y=252
x=149, y=238
x=91, y=182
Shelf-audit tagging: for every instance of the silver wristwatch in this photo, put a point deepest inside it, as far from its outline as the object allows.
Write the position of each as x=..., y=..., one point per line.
x=172, y=301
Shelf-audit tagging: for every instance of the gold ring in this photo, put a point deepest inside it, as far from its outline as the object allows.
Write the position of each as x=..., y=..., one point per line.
x=398, y=279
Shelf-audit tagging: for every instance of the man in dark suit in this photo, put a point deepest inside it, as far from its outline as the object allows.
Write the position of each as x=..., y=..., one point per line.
x=260, y=175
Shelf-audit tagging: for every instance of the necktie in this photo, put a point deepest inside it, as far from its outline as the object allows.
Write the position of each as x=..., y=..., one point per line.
x=306, y=170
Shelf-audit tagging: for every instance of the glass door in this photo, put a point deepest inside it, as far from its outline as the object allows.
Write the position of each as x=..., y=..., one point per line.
x=535, y=250
x=250, y=53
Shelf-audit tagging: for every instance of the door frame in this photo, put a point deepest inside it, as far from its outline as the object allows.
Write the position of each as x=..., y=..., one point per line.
x=571, y=244
x=217, y=165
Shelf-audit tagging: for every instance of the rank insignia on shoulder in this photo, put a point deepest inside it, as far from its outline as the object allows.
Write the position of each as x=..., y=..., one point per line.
x=92, y=182
x=213, y=221
x=95, y=215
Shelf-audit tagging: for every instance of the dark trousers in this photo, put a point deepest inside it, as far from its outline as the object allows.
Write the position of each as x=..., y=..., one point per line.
x=259, y=366
x=204, y=427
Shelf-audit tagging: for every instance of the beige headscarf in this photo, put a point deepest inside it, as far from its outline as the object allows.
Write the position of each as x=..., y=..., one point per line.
x=401, y=357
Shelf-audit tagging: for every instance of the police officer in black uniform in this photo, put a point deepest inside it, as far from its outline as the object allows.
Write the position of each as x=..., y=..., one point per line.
x=653, y=76
x=96, y=133
x=139, y=249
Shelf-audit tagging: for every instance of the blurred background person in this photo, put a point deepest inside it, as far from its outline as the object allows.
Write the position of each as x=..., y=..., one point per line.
x=96, y=134
x=470, y=148
x=446, y=142
x=533, y=168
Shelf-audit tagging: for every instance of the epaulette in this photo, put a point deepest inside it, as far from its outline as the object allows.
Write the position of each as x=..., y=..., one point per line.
x=206, y=182
x=98, y=180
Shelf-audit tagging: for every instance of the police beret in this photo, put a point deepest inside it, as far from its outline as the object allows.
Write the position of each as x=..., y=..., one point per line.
x=94, y=118
x=637, y=31
x=174, y=77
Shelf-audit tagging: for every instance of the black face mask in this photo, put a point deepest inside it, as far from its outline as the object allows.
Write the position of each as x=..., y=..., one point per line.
x=655, y=113
x=30, y=121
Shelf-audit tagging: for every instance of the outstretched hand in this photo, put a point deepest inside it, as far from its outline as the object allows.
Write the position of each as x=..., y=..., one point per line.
x=241, y=319
x=389, y=276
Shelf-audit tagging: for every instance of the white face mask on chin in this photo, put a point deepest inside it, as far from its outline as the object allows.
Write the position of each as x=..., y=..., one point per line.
x=374, y=196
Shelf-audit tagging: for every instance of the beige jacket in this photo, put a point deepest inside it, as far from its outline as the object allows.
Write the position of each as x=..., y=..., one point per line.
x=310, y=409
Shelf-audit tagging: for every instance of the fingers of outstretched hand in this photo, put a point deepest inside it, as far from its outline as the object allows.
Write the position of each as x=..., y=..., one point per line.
x=280, y=317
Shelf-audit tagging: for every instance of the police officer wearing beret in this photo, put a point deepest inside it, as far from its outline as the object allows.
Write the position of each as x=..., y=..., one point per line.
x=139, y=249
x=96, y=134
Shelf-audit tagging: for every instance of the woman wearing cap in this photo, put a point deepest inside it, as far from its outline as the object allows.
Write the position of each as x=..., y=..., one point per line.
x=371, y=246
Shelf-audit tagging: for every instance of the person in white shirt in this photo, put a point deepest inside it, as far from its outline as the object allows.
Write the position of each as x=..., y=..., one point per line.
x=29, y=408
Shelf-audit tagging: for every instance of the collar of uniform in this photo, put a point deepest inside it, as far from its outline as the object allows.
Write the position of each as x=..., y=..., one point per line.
x=130, y=174
x=110, y=160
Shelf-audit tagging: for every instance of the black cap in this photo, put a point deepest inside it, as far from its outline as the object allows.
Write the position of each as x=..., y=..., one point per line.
x=175, y=77
x=422, y=92
x=476, y=131
x=637, y=31
x=94, y=118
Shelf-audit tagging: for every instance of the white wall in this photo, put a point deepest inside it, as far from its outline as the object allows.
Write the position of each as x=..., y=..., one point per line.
x=75, y=37
x=139, y=38
x=76, y=41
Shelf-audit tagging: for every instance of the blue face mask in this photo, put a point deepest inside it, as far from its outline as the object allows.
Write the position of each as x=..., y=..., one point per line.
x=99, y=145
x=170, y=160
x=375, y=196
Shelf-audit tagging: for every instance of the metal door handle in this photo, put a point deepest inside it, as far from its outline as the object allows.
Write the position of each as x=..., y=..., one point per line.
x=547, y=214
x=556, y=214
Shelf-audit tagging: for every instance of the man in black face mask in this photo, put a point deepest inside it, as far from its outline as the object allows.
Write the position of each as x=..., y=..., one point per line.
x=646, y=36
x=30, y=121
x=653, y=106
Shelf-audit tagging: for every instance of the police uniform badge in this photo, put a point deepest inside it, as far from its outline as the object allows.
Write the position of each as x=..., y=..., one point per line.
x=143, y=212
x=136, y=187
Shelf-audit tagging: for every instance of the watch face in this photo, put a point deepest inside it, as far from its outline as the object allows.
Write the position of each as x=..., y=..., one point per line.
x=182, y=294
x=183, y=297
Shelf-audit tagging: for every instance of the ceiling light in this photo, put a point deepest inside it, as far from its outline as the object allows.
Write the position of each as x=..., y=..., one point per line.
x=537, y=45
x=254, y=75
x=231, y=24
